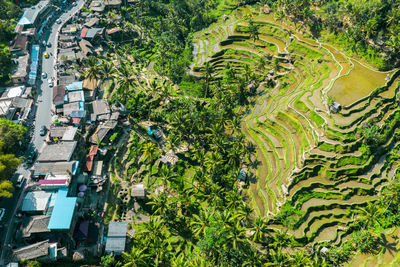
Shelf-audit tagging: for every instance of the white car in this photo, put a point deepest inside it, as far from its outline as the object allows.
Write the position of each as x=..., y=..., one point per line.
x=44, y=75
x=50, y=81
x=20, y=181
x=2, y=212
x=58, y=21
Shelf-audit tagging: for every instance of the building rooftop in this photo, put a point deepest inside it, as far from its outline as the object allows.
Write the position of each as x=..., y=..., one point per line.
x=112, y=2
x=15, y=91
x=57, y=152
x=75, y=106
x=75, y=96
x=102, y=131
x=35, y=201
x=86, y=47
x=92, y=32
x=58, y=94
x=67, y=79
x=116, y=237
x=97, y=6
x=55, y=168
x=57, y=131
x=69, y=134
x=20, y=69
x=33, y=251
x=78, y=114
x=74, y=86
x=67, y=54
x=20, y=43
x=35, y=225
x=63, y=212
x=93, y=21
x=113, y=30
x=138, y=190
x=100, y=107
x=31, y=14
x=90, y=84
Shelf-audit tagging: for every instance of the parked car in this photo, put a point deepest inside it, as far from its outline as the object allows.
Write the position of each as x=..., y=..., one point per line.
x=48, y=44
x=46, y=55
x=20, y=181
x=43, y=130
x=44, y=75
x=44, y=43
x=2, y=212
x=59, y=21
x=31, y=157
x=50, y=81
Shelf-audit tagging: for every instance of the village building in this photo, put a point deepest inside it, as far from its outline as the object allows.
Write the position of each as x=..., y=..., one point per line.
x=100, y=109
x=36, y=202
x=34, y=16
x=103, y=131
x=116, y=238
x=35, y=225
x=62, y=151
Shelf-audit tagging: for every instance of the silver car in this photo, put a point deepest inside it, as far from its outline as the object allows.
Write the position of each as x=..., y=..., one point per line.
x=50, y=81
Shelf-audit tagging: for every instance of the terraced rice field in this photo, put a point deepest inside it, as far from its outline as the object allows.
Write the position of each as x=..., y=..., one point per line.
x=307, y=157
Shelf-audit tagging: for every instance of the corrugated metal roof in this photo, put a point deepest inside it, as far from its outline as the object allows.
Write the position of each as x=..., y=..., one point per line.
x=117, y=229
x=35, y=201
x=63, y=211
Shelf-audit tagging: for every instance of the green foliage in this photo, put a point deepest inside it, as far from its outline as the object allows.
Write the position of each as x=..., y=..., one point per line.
x=11, y=134
x=6, y=189
x=110, y=261
x=372, y=136
x=366, y=241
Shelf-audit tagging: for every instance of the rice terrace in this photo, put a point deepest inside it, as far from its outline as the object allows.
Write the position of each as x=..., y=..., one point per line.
x=311, y=122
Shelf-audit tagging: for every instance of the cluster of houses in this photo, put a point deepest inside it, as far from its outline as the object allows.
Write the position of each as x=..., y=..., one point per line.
x=66, y=184
x=68, y=181
x=83, y=35
x=15, y=101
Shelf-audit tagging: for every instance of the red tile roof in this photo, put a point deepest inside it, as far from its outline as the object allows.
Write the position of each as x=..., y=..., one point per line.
x=88, y=163
x=84, y=32
x=93, y=150
x=76, y=120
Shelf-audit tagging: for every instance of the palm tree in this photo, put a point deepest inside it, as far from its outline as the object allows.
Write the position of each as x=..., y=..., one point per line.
x=369, y=214
x=201, y=221
x=148, y=151
x=253, y=31
x=259, y=228
x=107, y=70
x=244, y=213
x=126, y=81
x=137, y=257
x=159, y=202
x=301, y=259
x=236, y=235
x=209, y=71
x=92, y=70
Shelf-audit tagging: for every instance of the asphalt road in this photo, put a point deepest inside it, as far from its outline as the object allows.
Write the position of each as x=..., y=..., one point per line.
x=42, y=117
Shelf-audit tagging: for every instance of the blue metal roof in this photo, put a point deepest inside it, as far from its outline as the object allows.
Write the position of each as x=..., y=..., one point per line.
x=24, y=20
x=34, y=64
x=78, y=114
x=75, y=86
x=63, y=211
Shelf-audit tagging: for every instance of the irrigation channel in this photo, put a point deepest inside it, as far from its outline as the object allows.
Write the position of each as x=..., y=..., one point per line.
x=310, y=161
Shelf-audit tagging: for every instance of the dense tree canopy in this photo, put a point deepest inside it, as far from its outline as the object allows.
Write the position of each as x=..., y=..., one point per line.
x=10, y=135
